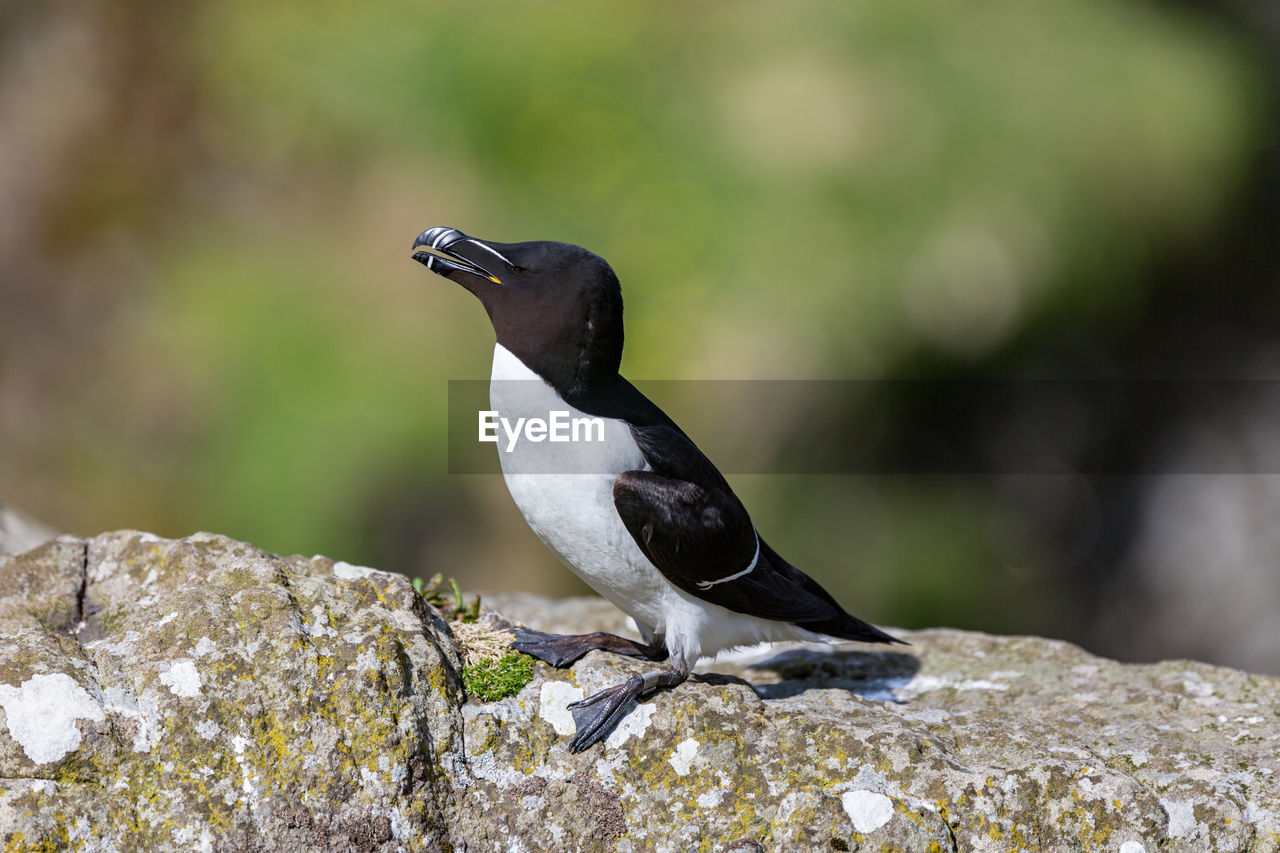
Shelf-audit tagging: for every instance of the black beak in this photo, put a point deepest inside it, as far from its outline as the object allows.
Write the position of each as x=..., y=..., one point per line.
x=434, y=250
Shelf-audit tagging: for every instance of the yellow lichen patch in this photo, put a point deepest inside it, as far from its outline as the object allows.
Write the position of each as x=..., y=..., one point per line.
x=728, y=776
x=901, y=807
x=529, y=753
x=275, y=761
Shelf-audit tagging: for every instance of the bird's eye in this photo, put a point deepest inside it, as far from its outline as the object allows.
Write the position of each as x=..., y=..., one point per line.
x=518, y=270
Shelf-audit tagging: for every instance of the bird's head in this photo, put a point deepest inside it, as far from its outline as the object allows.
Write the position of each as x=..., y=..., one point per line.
x=557, y=307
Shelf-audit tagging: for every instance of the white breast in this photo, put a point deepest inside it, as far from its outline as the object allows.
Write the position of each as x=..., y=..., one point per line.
x=565, y=492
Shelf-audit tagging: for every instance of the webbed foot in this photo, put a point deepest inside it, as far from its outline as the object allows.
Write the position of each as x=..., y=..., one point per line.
x=561, y=650
x=558, y=650
x=596, y=715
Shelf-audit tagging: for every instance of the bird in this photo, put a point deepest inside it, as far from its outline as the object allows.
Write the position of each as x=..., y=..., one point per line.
x=642, y=516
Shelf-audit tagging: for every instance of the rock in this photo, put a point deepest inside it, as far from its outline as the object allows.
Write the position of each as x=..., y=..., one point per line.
x=963, y=740
x=202, y=694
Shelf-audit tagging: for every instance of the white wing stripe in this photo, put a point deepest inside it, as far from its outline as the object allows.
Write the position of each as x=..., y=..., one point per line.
x=748, y=570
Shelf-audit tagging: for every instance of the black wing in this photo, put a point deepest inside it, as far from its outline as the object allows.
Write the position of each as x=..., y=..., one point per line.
x=692, y=527
x=702, y=541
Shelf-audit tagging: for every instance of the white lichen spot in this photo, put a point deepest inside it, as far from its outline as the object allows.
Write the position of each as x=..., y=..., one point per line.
x=81, y=831
x=150, y=722
x=1197, y=687
x=1182, y=818
x=203, y=646
x=682, y=758
x=186, y=835
x=634, y=723
x=1256, y=813
x=711, y=799
x=143, y=712
x=348, y=572
x=371, y=782
x=869, y=810
x=208, y=729
x=1132, y=847
x=182, y=679
x=553, y=705
x=788, y=805
x=319, y=625
x=403, y=620
x=168, y=617
x=193, y=840
x=402, y=828
x=103, y=569
x=41, y=714
x=120, y=649
x=249, y=778
x=608, y=767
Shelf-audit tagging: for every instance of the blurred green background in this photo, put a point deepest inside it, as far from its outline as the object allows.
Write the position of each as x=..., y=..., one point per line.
x=210, y=320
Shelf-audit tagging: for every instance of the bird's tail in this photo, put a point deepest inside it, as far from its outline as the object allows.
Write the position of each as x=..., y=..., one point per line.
x=848, y=627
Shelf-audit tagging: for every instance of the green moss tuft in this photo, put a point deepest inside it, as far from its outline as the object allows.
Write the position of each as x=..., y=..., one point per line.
x=497, y=679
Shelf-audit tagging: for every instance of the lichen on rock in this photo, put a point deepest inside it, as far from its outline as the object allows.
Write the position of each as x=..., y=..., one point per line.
x=200, y=694
x=216, y=693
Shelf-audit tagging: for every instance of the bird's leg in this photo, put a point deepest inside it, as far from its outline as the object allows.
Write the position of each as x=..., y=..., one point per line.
x=596, y=715
x=561, y=650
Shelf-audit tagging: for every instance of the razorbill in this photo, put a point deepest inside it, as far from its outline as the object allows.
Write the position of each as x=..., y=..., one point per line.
x=641, y=515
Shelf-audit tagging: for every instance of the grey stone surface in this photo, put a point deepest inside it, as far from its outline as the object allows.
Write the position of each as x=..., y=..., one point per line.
x=202, y=694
